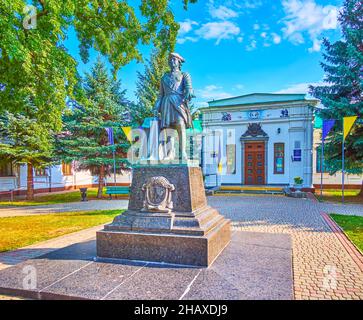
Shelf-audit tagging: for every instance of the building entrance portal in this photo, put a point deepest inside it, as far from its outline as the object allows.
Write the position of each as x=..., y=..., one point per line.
x=254, y=163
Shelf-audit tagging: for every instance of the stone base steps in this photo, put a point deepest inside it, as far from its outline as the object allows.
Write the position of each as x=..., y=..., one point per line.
x=250, y=190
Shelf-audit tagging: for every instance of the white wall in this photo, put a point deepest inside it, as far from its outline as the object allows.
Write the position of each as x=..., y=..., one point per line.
x=57, y=179
x=297, y=127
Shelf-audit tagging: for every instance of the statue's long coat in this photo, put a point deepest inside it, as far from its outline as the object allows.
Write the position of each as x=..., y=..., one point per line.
x=171, y=103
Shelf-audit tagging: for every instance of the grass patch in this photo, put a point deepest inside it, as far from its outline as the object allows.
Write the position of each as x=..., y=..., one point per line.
x=350, y=196
x=352, y=226
x=73, y=196
x=17, y=232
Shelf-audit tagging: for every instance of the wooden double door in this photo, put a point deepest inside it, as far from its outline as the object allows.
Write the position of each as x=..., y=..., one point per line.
x=254, y=163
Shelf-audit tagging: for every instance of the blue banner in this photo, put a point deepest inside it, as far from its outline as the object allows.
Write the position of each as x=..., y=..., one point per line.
x=110, y=135
x=327, y=126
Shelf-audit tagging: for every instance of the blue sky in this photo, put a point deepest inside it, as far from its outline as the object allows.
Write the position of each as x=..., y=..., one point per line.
x=243, y=46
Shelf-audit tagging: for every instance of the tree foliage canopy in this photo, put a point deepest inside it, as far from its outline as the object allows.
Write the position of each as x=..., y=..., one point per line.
x=24, y=140
x=343, y=96
x=101, y=103
x=34, y=63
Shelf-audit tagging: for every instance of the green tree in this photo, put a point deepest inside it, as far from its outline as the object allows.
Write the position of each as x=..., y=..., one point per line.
x=23, y=140
x=101, y=104
x=34, y=63
x=36, y=66
x=343, y=96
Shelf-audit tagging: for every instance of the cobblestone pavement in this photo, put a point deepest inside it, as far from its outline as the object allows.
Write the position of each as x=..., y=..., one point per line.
x=348, y=209
x=322, y=267
x=65, y=207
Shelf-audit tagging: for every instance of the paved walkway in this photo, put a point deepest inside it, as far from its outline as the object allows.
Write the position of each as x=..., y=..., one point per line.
x=65, y=207
x=323, y=268
x=348, y=209
x=11, y=258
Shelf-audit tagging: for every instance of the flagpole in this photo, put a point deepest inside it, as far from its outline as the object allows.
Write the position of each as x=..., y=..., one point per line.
x=321, y=168
x=114, y=166
x=343, y=166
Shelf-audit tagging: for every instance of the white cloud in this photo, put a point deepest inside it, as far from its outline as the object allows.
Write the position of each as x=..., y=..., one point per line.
x=182, y=40
x=275, y=38
x=211, y=92
x=301, y=87
x=256, y=26
x=316, y=46
x=240, y=39
x=186, y=26
x=218, y=30
x=306, y=16
x=249, y=4
x=222, y=12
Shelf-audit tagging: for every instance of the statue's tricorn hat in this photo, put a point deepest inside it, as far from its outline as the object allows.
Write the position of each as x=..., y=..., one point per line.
x=176, y=55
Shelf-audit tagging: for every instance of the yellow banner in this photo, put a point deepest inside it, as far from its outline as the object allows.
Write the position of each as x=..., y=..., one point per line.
x=220, y=167
x=347, y=125
x=127, y=132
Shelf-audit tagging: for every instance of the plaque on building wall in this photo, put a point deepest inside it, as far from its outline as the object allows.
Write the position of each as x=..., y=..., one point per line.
x=297, y=155
x=231, y=158
x=255, y=114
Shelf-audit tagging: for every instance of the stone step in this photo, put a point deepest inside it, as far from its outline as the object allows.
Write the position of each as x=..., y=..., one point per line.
x=257, y=191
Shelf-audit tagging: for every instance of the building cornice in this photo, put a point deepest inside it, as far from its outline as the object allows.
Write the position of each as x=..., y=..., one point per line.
x=256, y=106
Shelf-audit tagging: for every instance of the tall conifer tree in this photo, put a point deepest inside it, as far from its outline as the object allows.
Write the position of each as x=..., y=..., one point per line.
x=343, y=96
x=101, y=103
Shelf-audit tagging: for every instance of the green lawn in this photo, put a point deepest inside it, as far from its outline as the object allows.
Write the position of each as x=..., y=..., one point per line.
x=350, y=196
x=73, y=196
x=17, y=232
x=352, y=226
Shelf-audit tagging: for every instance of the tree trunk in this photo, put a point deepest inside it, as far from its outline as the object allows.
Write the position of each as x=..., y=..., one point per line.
x=30, y=183
x=100, y=181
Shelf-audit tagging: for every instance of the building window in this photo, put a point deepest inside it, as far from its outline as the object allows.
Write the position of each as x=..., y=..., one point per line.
x=41, y=172
x=6, y=169
x=318, y=161
x=279, y=158
x=67, y=169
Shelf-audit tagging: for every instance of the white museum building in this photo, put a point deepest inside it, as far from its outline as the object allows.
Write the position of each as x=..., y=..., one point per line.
x=258, y=139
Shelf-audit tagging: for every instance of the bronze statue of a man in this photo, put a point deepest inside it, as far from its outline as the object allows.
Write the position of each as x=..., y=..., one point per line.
x=175, y=93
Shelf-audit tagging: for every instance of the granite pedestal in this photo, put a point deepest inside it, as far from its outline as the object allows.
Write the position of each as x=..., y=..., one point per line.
x=168, y=220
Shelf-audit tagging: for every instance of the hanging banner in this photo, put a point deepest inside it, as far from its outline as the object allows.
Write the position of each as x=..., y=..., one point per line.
x=219, y=163
x=327, y=126
x=110, y=135
x=347, y=125
x=127, y=132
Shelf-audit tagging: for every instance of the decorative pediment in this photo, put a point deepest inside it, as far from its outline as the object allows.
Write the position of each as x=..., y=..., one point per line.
x=254, y=130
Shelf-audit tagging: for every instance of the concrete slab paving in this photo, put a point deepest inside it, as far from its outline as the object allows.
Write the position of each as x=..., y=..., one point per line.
x=253, y=266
